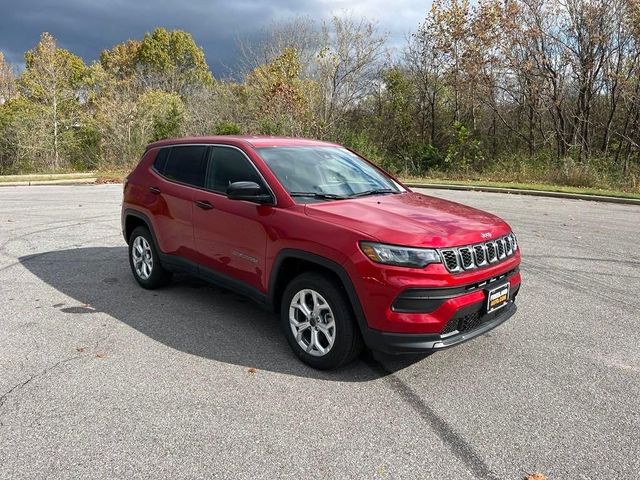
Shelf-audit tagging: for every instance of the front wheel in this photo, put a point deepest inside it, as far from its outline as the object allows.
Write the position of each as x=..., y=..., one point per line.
x=318, y=322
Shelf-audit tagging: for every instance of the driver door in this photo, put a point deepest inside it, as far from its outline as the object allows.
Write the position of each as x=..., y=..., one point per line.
x=230, y=235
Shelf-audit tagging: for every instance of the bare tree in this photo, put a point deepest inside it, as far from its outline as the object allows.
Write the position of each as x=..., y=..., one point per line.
x=349, y=64
x=301, y=34
x=8, y=88
x=424, y=63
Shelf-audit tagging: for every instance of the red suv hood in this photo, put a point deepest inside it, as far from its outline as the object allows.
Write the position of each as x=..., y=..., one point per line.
x=412, y=219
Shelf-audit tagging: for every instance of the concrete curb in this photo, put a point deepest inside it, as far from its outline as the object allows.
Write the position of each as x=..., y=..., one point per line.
x=69, y=181
x=534, y=193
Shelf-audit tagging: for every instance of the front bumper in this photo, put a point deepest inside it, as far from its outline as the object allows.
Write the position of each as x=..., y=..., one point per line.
x=398, y=343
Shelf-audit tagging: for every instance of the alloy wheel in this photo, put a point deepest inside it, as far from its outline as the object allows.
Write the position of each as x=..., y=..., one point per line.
x=312, y=322
x=142, y=257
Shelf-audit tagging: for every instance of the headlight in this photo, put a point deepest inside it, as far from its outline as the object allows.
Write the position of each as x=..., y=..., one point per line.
x=401, y=256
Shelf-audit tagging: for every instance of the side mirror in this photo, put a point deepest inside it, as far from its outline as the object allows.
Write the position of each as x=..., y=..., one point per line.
x=249, y=191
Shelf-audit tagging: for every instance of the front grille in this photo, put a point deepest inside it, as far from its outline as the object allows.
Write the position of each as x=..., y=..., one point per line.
x=451, y=260
x=481, y=257
x=474, y=256
x=507, y=244
x=451, y=326
x=465, y=324
x=466, y=258
x=491, y=252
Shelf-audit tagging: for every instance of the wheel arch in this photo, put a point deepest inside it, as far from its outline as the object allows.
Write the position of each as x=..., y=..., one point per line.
x=132, y=220
x=291, y=262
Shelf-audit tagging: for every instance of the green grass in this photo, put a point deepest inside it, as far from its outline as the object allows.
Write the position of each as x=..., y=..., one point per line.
x=526, y=186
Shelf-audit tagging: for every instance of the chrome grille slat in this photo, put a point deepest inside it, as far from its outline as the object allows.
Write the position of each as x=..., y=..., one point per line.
x=480, y=254
x=507, y=242
x=475, y=256
x=450, y=258
x=491, y=252
x=466, y=258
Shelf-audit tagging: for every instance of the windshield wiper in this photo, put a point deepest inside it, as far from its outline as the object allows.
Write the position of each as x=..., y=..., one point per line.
x=324, y=196
x=374, y=191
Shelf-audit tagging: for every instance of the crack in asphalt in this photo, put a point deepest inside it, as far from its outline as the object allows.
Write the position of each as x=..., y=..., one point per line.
x=19, y=386
x=460, y=448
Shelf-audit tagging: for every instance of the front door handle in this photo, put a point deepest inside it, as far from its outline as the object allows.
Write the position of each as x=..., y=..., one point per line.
x=155, y=190
x=203, y=204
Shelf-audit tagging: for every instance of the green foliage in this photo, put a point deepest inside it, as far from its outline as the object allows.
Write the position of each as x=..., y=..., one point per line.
x=83, y=148
x=280, y=99
x=171, y=60
x=268, y=126
x=227, y=128
x=464, y=152
x=443, y=107
x=167, y=125
x=361, y=143
x=426, y=157
x=53, y=82
x=121, y=61
x=51, y=71
x=163, y=112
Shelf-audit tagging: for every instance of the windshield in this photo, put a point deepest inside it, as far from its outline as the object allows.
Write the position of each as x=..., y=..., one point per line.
x=325, y=173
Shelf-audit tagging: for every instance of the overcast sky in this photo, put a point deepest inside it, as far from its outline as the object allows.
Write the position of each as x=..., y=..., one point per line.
x=87, y=26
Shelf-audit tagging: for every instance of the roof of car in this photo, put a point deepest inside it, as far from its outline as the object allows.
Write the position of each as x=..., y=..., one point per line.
x=253, y=140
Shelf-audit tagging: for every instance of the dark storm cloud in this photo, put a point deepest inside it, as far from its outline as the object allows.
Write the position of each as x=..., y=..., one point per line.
x=87, y=27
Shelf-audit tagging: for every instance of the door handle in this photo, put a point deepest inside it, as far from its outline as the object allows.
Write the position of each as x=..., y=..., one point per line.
x=203, y=204
x=155, y=190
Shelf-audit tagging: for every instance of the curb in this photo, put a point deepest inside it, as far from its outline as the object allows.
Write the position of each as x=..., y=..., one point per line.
x=521, y=191
x=70, y=181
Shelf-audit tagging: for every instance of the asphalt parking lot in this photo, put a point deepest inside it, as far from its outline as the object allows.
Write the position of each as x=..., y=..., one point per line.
x=102, y=379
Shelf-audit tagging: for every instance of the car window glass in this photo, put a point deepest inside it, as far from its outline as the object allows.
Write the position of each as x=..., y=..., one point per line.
x=161, y=160
x=186, y=164
x=228, y=165
x=324, y=170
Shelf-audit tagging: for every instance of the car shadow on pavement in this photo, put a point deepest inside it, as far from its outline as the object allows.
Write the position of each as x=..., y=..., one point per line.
x=187, y=315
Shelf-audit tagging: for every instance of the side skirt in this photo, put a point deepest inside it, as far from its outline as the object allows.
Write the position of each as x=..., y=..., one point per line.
x=179, y=264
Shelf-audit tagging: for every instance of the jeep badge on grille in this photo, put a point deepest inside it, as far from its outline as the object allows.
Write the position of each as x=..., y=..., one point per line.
x=486, y=235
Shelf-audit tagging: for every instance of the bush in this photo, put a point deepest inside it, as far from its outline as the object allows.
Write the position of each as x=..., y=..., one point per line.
x=227, y=128
x=465, y=151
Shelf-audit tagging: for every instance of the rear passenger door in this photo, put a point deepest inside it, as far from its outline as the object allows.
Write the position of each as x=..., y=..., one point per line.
x=231, y=235
x=180, y=172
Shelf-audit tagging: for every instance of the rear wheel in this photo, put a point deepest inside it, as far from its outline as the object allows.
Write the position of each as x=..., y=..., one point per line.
x=144, y=260
x=318, y=322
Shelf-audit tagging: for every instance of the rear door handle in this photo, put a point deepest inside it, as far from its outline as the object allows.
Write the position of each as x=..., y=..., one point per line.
x=203, y=204
x=155, y=190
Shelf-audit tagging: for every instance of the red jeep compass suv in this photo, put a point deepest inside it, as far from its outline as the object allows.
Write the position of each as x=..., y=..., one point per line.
x=342, y=251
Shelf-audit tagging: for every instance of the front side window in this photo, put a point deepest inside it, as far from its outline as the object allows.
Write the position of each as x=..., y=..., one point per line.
x=226, y=166
x=186, y=164
x=325, y=172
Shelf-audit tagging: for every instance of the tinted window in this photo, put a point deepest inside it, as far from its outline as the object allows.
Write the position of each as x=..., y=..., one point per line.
x=228, y=165
x=161, y=160
x=186, y=165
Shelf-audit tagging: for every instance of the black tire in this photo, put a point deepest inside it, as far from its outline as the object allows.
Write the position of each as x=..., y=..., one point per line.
x=347, y=343
x=158, y=276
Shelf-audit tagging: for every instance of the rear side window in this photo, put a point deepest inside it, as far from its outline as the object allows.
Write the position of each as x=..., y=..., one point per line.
x=186, y=164
x=161, y=160
x=228, y=165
